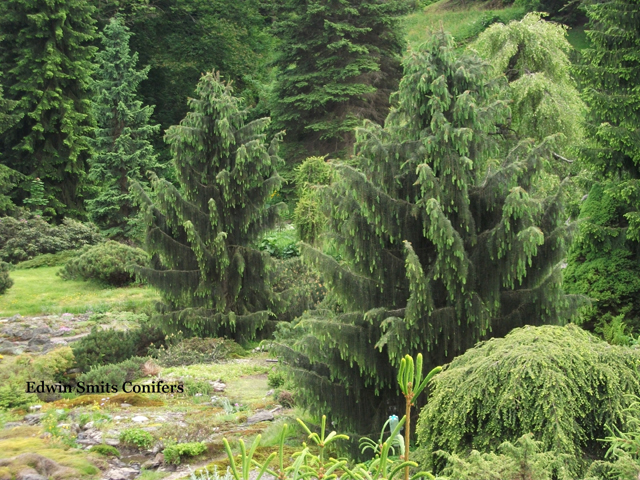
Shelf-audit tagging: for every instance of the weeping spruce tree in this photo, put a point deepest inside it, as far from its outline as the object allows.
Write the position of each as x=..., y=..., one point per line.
x=212, y=281
x=443, y=245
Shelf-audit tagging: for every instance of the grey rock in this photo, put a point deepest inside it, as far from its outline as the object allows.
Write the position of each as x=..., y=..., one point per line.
x=269, y=393
x=42, y=331
x=37, y=340
x=29, y=474
x=9, y=348
x=12, y=424
x=140, y=419
x=33, y=418
x=125, y=405
x=124, y=473
x=90, y=436
x=264, y=416
x=114, y=442
x=15, y=318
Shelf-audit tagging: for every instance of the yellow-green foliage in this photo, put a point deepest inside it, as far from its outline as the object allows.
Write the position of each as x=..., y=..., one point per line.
x=534, y=56
x=523, y=459
x=174, y=453
x=309, y=177
x=562, y=384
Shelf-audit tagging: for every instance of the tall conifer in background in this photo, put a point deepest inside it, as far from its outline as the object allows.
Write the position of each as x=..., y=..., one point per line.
x=605, y=261
x=338, y=63
x=122, y=150
x=443, y=246
x=45, y=55
x=212, y=280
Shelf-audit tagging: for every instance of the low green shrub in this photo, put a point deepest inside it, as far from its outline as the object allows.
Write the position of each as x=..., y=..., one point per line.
x=197, y=350
x=13, y=395
x=136, y=437
x=281, y=244
x=108, y=262
x=103, y=347
x=193, y=387
x=106, y=450
x=276, y=378
x=49, y=259
x=5, y=280
x=174, y=453
x=114, y=374
x=24, y=238
x=523, y=459
x=562, y=384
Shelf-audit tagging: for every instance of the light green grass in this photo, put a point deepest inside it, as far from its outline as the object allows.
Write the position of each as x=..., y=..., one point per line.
x=227, y=372
x=41, y=291
x=465, y=23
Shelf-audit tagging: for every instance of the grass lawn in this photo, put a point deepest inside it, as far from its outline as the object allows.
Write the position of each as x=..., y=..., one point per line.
x=464, y=22
x=40, y=291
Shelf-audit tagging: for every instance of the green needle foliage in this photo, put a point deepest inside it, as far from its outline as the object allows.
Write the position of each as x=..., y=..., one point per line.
x=213, y=282
x=604, y=263
x=562, y=384
x=8, y=118
x=45, y=54
x=533, y=55
x=339, y=60
x=122, y=150
x=443, y=246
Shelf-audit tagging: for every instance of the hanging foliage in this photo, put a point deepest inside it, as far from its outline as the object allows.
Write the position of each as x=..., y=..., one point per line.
x=562, y=384
x=200, y=235
x=442, y=245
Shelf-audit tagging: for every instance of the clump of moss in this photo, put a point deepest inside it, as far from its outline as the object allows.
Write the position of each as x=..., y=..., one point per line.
x=105, y=450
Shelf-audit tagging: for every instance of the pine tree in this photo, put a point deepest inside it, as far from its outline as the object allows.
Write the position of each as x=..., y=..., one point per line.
x=122, y=150
x=339, y=61
x=201, y=234
x=609, y=239
x=443, y=245
x=46, y=55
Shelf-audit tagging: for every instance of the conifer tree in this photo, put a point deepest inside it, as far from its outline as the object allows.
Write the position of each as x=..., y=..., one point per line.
x=8, y=117
x=609, y=239
x=122, y=150
x=338, y=63
x=533, y=54
x=45, y=54
x=443, y=245
x=201, y=235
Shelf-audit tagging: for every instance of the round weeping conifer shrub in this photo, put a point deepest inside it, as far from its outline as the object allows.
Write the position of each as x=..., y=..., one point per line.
x=109, y=262
x=562, y=384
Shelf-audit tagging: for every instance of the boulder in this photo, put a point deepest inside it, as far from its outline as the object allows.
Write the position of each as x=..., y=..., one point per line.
x=90, y=436
x=33, y=418
x=124, y=473
x=264, y=416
